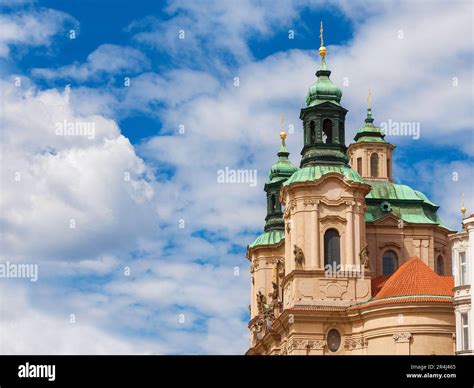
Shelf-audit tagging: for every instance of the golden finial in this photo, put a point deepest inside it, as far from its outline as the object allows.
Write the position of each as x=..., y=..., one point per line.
x=368, y=100
x=463, y=209
x=322, y=49
x=283, y=133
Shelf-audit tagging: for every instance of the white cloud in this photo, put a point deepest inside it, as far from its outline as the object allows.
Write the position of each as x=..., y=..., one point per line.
x=448, y=181
x=24, y=329
x=106, y=59
x=32, y=28
x=99, y=183
x=74, y=177
x=220, y=29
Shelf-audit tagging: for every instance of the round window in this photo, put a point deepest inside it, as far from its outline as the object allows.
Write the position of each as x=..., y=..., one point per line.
x=333, y=340
x=385, y=206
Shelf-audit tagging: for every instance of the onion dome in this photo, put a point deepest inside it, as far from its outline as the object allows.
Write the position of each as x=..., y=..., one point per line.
x=283, y=168
x=323, y=89
x=369, y=132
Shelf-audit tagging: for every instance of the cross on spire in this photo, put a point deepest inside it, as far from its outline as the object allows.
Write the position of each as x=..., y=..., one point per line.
x=321, y=34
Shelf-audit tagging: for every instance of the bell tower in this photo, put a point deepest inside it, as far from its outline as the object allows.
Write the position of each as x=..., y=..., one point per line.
x=326, y=258
x=323, y=119
x=370, y=154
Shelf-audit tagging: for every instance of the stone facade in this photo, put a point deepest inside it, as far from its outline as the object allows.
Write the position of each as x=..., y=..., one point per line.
x=463, y=258
x=347, y=263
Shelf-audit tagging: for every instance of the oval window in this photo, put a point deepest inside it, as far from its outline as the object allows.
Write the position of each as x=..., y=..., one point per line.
x=333, y=340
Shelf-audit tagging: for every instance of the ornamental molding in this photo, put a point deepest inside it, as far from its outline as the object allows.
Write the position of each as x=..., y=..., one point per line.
x=302, y=344
x=332, y=219
x=403, y=337
x=356, y=343
x=311, y=201
x=274, y=260
x=317, y=345
x=389, y=245
x=333, y=202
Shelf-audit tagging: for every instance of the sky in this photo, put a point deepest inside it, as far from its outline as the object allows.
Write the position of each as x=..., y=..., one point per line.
x=139, y=248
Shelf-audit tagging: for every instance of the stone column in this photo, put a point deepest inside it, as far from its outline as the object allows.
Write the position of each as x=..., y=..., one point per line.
x=357, y=234
x=314, y=237
x=350, y=258
x=317, y=238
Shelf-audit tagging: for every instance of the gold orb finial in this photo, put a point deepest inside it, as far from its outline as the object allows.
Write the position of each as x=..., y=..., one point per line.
x=322, y=49
x=463, y=209
x=283, y=133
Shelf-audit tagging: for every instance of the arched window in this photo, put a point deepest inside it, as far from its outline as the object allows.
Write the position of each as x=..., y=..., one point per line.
x=273, y=203
x=327, y=130
x=359, y=166
x=440, y=266
x=390, y=262
x=312, y=133
x=331, y=248
x=374, y=165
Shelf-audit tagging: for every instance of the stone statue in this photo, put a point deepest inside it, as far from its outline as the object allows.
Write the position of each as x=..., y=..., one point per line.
x=274, y=295
x=261, y=302
x=281, y=268
x=299, y=256
x=364, y=257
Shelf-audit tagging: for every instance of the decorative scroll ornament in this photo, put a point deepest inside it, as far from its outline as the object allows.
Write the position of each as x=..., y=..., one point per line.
x=402, y=337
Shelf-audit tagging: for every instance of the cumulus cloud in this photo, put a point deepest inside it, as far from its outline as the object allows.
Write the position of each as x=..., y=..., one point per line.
x=32, y=28
x=125, y=266
x=69, y=193
x=26, y=329
x=202, y=36
x=106, y=59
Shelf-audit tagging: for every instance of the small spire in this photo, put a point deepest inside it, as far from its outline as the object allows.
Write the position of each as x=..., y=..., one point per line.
x=283, y=133
x=369, y=119
x=322, y=49
x=463, y=209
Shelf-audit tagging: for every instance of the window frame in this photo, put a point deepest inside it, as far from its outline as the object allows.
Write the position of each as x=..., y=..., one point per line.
x=326, y=247
x=463, y=275
x=465, y=331
x=374, y=156
x=388, y=251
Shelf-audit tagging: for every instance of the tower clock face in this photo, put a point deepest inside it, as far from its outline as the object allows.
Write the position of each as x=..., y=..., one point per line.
x=333, y=340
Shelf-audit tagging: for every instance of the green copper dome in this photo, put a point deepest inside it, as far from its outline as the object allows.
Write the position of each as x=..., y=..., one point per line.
x=283, y=168
x=314, y=172
x=369, y=133
x=323, y=89
x=410, y=205
x=269, y=238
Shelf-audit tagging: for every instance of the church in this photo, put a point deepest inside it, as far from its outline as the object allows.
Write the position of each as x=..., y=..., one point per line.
x=350, y=263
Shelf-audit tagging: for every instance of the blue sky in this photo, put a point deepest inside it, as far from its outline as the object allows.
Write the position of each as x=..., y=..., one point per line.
x=144, y=197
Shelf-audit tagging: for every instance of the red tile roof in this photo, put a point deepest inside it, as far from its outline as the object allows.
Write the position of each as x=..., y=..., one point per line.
x=415, y=278
x=412, y=282
x=378, y=282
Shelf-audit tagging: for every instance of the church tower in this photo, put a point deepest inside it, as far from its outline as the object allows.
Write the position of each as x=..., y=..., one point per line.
x=326, y=262
x=370, y=154
x=346, y=261
x=267, y=251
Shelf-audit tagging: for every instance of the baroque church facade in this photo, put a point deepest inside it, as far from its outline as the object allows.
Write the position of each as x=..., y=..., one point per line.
x=350, y=263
